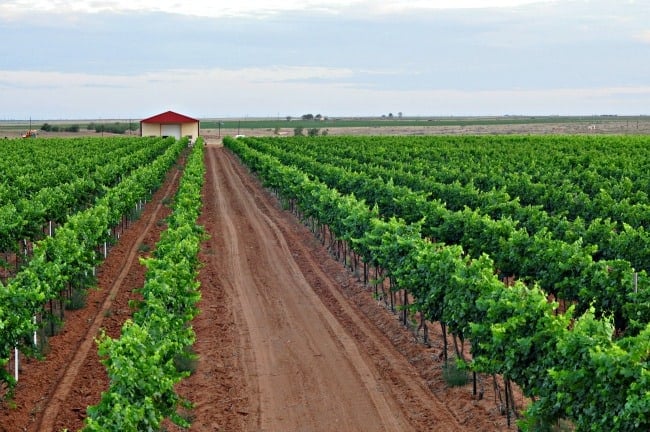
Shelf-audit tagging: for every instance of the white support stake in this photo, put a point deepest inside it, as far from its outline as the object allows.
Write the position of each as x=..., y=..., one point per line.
x=35, y=334
x=16, y=364
x=636, y=282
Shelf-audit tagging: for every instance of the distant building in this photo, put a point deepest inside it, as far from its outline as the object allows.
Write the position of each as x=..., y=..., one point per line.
x=170, y=124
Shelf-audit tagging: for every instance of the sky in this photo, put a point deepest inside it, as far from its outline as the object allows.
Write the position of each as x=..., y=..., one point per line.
x=130, y=59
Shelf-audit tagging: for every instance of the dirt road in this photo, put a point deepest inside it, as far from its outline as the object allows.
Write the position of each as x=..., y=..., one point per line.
x=297, y=355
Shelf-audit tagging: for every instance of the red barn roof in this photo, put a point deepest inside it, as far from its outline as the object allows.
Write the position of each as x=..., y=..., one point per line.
x=169, y=117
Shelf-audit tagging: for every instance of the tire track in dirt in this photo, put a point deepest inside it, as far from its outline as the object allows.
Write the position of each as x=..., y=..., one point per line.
x=65, y=384
x=283, y=343
x=309, y=365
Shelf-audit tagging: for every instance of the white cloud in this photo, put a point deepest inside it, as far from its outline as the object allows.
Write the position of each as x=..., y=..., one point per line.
x=570, y=57
x=644, y=36
x=216, y=8
x=76, y=95
x=282, y=91
x=271, y=75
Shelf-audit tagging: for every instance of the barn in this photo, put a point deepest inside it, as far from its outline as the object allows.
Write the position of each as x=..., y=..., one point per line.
x=170, y=123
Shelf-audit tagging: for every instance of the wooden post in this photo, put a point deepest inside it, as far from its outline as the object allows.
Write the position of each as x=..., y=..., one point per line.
x=507, y=385
x=51, y=318
x=474, y=383
x=405, y=306
x=62, y=302
x=444, y=340
x=365, y=272
x=423, y=324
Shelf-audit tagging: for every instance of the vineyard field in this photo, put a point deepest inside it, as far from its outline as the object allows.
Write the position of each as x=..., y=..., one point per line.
x=489, y=269
x=55, y=393
x=329, y=283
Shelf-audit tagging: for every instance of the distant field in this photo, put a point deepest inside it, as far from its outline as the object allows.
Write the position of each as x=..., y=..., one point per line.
x=408, y=121
x=15, y=128
x=361, y=125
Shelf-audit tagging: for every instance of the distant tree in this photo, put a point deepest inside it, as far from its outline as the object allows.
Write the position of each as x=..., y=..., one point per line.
x=46, y=127
x=390, y=115
x=297, y=131
x=116, y=127
x=325, y=132
x=399, y=114
x=313, y=132
x=318, y=117
x=307, y=116
x=288, y=118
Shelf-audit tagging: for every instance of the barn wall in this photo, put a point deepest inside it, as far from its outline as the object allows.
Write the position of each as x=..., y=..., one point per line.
x=150, y=129
x=190, y=129
x=153, y=129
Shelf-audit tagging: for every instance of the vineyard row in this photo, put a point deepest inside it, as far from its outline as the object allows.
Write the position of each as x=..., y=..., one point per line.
x=152, y=353
x=568, y=270
x=66, y=259
x=571, y=365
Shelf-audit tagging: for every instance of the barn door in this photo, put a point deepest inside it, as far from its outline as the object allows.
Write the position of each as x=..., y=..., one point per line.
x=171, y=130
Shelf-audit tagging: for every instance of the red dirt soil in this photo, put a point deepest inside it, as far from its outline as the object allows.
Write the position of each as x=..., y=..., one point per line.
x=287, y=338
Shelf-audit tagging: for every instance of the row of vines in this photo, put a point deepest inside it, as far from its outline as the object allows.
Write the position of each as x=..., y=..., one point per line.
x=66, y=260
x=44, y=182
x=152, y=353
x=586, y=364
x=591, y=265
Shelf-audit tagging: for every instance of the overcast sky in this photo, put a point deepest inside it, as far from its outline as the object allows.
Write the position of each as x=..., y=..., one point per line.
x=63, y=59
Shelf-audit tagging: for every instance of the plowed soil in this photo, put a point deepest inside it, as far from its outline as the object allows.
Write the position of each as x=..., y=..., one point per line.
x=287, y=338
